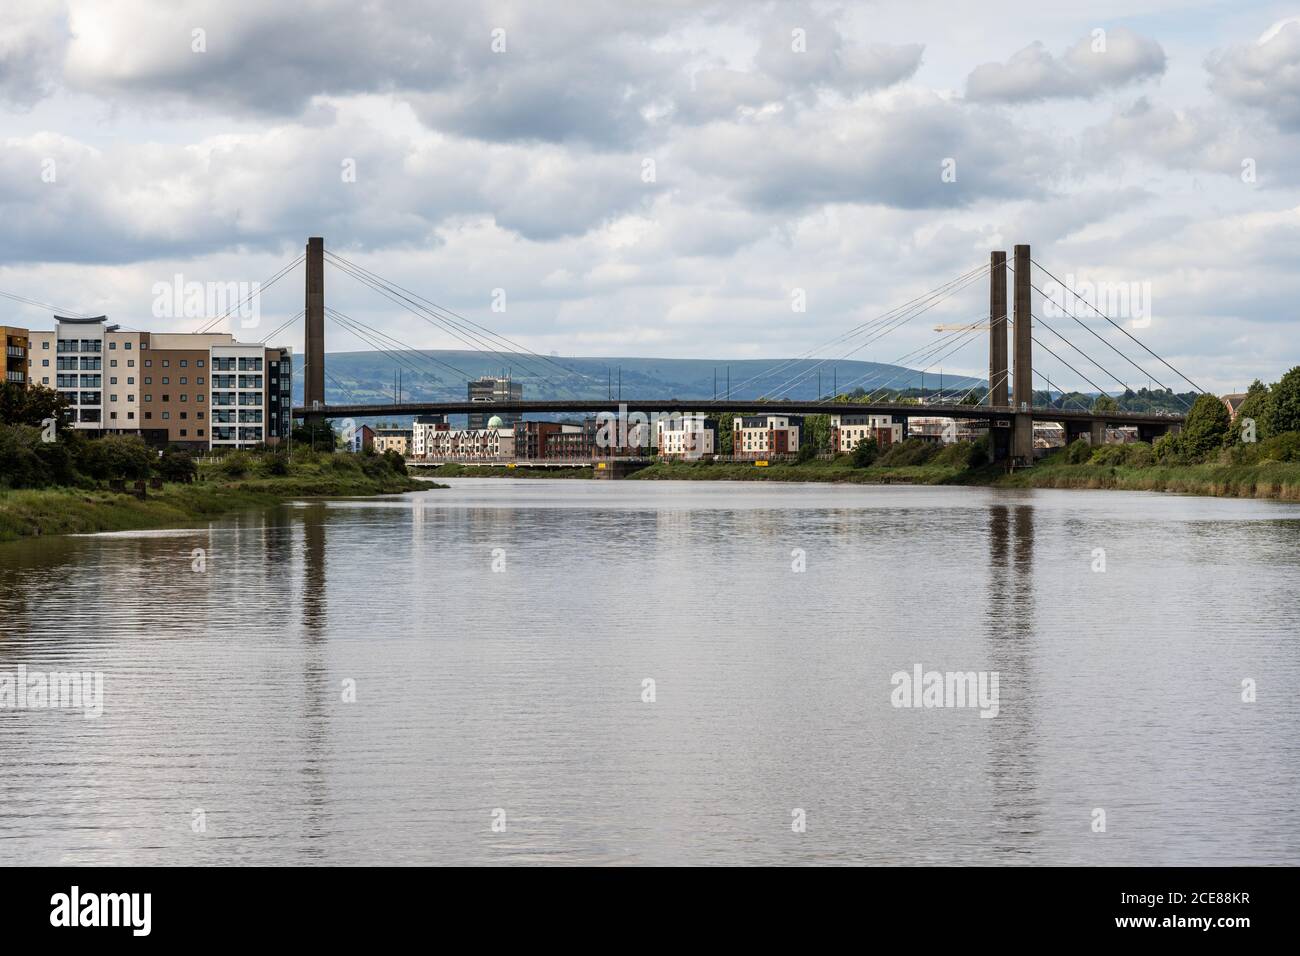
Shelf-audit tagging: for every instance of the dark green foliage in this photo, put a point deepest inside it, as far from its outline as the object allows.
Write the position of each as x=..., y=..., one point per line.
x=913, y=451
x=865, y=452
x=20, y=405
x=176, y=464
x=395, y=461
x=1078, y=452
x=236, y=464
x=116, y=456
x=1283, y=413
x=1206, y=428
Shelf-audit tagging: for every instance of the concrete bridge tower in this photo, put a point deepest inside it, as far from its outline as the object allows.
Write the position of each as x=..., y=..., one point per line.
x=313, y=379
x=1022, y=396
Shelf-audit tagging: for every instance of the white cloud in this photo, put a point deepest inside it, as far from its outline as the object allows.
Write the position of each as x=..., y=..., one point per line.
x=1093, y=64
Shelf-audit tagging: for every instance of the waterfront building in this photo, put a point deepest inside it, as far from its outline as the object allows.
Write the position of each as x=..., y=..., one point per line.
x=393, y=438
x=362, y=438
x=848, y=430
x=686, y=436
x=196, y=390
x=487, y=390
x=765, y=436
x=15, y=342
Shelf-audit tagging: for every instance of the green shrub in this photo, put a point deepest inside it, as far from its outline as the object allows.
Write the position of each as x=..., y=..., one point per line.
x=913, y=451
x=1168, y=449
x=1078, y=452
x=176, y=464
x=395, y=461
x=1206, y=428
x=1283, y=447
x=237, y=464
x=116, y=456
x=865, y=452
x=273, y=464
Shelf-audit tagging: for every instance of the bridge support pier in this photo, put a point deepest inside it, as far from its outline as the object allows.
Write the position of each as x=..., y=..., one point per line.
x=1022, y=437
x=999, y=385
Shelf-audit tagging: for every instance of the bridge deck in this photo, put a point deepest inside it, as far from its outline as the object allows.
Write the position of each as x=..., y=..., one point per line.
x=648, y=405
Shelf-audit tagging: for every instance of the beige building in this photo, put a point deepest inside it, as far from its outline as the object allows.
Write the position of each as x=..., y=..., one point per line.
x=392, y=438
x=848, y=430
x=164, y=386
x=765, y=436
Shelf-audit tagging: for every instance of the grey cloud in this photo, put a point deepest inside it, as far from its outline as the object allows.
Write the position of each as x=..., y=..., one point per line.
x=1083, y=71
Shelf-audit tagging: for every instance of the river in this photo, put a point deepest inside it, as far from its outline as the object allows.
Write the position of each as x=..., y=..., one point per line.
x=576, y=671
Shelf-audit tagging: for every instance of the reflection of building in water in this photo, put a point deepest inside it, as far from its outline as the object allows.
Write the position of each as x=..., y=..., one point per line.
x=1012, y=646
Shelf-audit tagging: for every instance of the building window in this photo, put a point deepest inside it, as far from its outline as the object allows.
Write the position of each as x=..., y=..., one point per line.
x=185, y=363
x=182, y=433
x=148, y=415
x=184, y=398
x=148, y=398
x=166, y=363
x=148, y=363
x=45, y=345
x=112, y=346
x=148, y=379
x=127, y=346
x=199, y=363
x=166, y=380
x=130, y=380
x=112, y=363
x=130, y=363
x=166, y=415
x=200, y=432
x=45, y=363
x=112, y=380
x=130, y=414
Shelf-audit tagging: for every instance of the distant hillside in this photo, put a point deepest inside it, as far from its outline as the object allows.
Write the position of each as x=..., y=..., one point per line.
x=365, y=377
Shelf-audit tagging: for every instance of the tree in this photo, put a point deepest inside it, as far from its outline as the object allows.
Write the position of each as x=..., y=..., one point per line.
x=176, y=464
x=1104, y=404
x=1284, y=404
x=1206, y=427
x=865, y=452
x=318, y=433
x=20, y=405
x=1257, y=407
x=117, y=456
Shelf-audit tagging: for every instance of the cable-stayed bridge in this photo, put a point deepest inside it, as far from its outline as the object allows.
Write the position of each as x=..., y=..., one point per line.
x=1006, y=404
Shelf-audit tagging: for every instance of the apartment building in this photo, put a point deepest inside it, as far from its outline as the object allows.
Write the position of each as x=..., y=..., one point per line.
x=848, y=430
x=423, y=429
x=15, y=354
x=362, y=438
x=393, y=438
x=765, y=436
x=686, y=436
x=470, y=444
x=197, y=390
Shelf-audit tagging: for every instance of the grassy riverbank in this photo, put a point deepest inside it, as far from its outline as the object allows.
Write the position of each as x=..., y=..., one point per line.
x=1272, y=479
x=43, y=511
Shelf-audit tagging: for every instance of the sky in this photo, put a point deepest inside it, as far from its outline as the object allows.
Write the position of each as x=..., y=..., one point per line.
x=678, y=179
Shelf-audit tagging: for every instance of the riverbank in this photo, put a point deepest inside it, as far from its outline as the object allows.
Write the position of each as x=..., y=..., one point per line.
x=1279, y=480
x=45, y=511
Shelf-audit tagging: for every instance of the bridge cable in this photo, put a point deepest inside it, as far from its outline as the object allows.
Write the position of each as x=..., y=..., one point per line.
x=859, y=329
x=952, y=290
x=280, y=274
x=447, y=317
x=1120, y=327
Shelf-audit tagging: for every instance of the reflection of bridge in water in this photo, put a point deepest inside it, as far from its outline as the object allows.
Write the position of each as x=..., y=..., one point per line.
x=1007, y=409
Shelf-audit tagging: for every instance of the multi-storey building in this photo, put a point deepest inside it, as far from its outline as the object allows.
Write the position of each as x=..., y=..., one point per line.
x=362, y=438
x=15, y=354
x=848, y=430
x=488, y=390
x=470, y=444
x=422, y=430
x=393, y=438
x=199, y=390
x=687, y=436
x=765, y=436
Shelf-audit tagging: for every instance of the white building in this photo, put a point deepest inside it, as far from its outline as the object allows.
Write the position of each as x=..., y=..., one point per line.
x=848, y=430
x=765, y=436
x=238, y=395
x=686, y=436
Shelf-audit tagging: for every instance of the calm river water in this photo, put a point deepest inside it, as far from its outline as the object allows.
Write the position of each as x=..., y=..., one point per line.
x=498, y=638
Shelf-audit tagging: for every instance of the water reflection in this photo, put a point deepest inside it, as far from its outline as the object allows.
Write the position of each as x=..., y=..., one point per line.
x=522, y=687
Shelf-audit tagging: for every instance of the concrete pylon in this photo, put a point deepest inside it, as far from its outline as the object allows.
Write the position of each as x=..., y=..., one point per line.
x=314, y=361
x=1022, y=396
x=999, y=384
